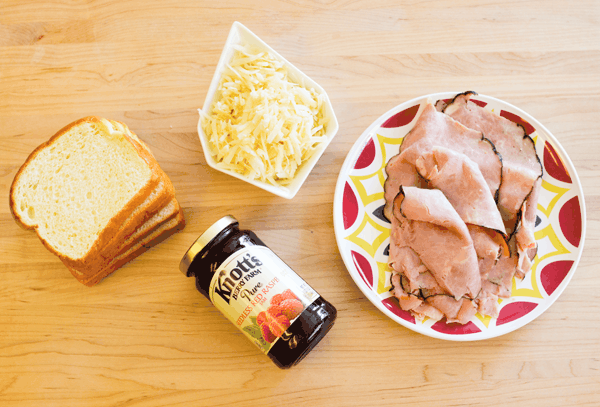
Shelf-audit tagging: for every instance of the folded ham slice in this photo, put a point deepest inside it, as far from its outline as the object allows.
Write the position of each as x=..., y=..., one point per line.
x=524, y=238
x=522, y=166
x=521, y=171
x=435, y=129
x=462, y=183
x=431, y=248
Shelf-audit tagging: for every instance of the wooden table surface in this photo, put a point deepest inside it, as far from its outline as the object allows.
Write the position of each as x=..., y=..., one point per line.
x=144, y=337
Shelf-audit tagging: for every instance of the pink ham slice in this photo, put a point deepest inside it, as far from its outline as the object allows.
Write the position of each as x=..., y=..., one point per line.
x=435, y=129
x=431, y=249
x=498, y=281
x=524, y=230
x=521, y=172
x=462, y=183
x=521, y=165
x=515, y=260
x=460, y=311
x=401, y=170
x=525, y=240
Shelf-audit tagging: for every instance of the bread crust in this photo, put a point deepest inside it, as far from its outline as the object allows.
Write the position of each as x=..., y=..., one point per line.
x=137, y=236
x=114, y=223
x=127, y=242
x=156, y=236
x=11, y=199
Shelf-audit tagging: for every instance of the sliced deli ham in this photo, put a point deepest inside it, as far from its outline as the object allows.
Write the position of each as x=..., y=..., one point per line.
x=526, y=221
x=488, y=243
x=461, y=196
x=435, y=129
x=521, y=172
x=521, y=165
x=526, y=245
x=429, y=236
x=462, y=183
x=401, y=170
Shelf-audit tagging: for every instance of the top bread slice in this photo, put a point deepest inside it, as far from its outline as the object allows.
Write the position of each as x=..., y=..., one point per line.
x=158, y=198
x=77, y=189
x=161, y=196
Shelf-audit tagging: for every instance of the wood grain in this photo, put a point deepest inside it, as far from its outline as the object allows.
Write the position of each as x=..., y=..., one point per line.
x=144, y=337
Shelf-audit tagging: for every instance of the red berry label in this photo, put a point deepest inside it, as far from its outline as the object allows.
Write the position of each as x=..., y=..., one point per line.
x=260, y=294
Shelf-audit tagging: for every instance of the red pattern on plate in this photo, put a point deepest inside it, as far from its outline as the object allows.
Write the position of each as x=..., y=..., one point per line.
x=366, y=156
x=553, y=164
x=519, y=120
x=554, y=274
x=392, y=304
x=455, y=329
x=514, y=311
x=569, y=219
x=479, y=102
x=402, y=118
x=349, y=207
x=364, y=268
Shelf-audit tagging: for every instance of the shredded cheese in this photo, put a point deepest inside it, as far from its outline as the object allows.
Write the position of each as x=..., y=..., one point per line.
x=263, y=125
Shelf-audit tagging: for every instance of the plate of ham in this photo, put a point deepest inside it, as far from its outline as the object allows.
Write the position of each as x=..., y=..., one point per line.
x=459, y=216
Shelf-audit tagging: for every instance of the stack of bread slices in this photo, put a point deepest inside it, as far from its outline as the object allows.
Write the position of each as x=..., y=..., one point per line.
x=96, y=197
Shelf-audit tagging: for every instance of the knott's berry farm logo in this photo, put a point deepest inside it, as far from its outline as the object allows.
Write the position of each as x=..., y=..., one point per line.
x=232, y=284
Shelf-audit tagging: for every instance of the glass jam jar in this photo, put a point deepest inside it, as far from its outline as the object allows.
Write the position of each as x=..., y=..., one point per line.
x=274, y=308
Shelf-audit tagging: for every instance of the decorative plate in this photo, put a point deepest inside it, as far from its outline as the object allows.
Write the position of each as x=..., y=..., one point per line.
x=363, y=233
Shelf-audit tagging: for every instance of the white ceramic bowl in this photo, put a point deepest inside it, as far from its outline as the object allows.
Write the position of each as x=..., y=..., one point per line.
x=240, y=35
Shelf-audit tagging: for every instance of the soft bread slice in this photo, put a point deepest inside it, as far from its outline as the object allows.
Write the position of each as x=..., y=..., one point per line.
x=166, y=213
x=80, y=186
x=153, y=203
x=165, y=230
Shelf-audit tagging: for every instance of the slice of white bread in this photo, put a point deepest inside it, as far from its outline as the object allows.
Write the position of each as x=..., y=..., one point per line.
x=155, y=236
x=157, y=200
x=154, y=202
x=168, y=212
x=80, y=186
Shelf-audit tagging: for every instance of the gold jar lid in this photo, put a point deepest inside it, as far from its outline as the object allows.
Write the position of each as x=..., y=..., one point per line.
x=204, y=239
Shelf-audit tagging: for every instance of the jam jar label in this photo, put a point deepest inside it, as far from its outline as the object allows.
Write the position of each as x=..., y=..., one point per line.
x=260, y=294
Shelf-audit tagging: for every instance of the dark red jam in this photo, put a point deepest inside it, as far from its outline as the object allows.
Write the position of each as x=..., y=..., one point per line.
x=284, y=316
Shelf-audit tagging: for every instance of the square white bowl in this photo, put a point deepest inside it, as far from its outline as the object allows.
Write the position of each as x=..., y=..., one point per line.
x=240, y=35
